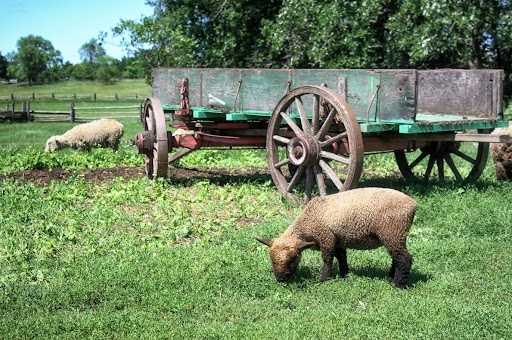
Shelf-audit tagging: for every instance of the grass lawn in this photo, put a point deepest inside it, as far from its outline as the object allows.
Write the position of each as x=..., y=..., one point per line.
x=125, y=87
x=177, y=259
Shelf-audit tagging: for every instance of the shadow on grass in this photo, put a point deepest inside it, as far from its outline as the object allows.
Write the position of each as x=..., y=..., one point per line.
x=422, y=188
x=189, y=176
x=305, y=276
x=378, y=273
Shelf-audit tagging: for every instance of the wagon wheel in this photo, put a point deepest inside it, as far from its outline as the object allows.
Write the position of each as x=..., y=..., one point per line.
x=307, y=155
x=461, y=161
x=152, y=142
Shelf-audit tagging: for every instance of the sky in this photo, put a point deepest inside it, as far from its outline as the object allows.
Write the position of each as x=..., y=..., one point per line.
x=67, y=24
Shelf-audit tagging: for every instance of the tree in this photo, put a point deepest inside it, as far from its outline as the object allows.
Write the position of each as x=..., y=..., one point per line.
x=3, y=66
x=325, y=34
x=213, y=33
x=108, y=70
x=92, y=51
x=35, y=56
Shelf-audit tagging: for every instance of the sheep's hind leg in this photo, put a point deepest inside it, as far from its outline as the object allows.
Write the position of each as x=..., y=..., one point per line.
x=403, y=262
x=341, y=256
x=391, y=274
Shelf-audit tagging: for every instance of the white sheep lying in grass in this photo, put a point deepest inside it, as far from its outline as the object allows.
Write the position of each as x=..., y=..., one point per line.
x=364, y=218
x=98, y=133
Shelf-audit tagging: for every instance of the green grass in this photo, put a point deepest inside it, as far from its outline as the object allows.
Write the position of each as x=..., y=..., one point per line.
x=177, y=258
x=125, y=87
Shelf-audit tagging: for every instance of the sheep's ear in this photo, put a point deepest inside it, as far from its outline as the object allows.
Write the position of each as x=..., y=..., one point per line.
x=267, y=241
x=305, y=245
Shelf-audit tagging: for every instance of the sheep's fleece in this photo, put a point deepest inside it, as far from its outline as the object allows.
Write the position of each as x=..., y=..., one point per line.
x=98, y=133
x=502, y=155
x=364, y=218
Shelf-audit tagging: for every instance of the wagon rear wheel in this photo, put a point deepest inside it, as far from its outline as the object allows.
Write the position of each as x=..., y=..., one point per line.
x=314, y=144
x=152, y=142
x=444, y=160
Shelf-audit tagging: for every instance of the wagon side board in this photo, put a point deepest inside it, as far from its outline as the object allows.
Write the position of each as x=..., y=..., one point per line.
x=471, y=93
x=392, y=97
x=374, y=95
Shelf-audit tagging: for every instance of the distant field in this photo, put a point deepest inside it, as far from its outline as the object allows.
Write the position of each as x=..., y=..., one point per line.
x=125, y=87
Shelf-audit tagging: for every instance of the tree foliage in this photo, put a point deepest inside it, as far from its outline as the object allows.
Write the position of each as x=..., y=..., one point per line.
x=324, y=34
x=92, y=51
x=209, y=33
x=3, y=67
x=37, y=59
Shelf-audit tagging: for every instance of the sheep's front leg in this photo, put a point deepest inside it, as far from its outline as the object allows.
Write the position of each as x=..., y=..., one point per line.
x=327, y=247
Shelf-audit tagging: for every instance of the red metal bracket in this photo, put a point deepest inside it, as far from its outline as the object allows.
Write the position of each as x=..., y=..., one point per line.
x=184, y=112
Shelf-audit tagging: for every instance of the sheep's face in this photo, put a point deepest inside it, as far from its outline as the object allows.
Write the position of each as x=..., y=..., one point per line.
x=285, y=254
x=51, y=144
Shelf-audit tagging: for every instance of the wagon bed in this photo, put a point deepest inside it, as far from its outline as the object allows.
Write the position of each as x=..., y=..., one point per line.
x=312, y=120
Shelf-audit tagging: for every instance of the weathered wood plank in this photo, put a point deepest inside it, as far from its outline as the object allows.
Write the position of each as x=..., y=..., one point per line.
x=460, y=92
x=382, y=95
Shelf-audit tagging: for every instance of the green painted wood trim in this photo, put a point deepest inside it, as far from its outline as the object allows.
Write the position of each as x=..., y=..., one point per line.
x=451, y=126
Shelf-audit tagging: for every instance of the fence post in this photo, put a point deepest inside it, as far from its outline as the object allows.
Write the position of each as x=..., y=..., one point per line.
x=141, y=112
x=28, y=111
x=72, y=112
x=12, y=112
x=94, y=96
x=23, y=108
x=12, y=97
x=53, y=95
x=74, y=96
x=33, y=96
x=117, y=98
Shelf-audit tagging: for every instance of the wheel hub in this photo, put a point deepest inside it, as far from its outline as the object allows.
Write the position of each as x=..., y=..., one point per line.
x=303, y=151
x=144, y=142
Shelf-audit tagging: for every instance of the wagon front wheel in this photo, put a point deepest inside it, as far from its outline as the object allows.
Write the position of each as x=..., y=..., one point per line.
x=153, y=142
x=444, y=160
x=314, y=144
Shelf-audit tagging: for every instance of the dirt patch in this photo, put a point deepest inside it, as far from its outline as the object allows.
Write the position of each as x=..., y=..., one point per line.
x=45, y=177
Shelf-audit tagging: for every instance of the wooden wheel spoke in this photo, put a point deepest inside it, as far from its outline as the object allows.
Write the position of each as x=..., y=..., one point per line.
x=430, y=165
x=320, y=180
x=304, y=117
x=330, y=155
x=282, y=163
x=316, y=113
x=462, y=155
x=280, y=139
x=440, y=168
x=332, y=175
x=452, y=167
x=296, y=178
x=309, y=184
x=292, y=124
x=306, y=127
x=417, y=160
x=327, y=124
x=334, y=139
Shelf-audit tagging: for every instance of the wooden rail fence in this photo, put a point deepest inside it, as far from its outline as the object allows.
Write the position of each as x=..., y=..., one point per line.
x=73, y=96
x=75, y=114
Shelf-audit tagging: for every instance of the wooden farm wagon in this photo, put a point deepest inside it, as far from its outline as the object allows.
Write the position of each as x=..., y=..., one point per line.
x=318, y=124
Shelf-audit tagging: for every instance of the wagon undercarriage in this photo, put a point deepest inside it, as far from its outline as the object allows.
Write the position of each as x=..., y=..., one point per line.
x=316, y=135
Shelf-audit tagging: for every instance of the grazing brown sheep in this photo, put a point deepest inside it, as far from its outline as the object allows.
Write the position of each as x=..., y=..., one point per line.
x=364, y=218
x=502, y=155
x=98, y=133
